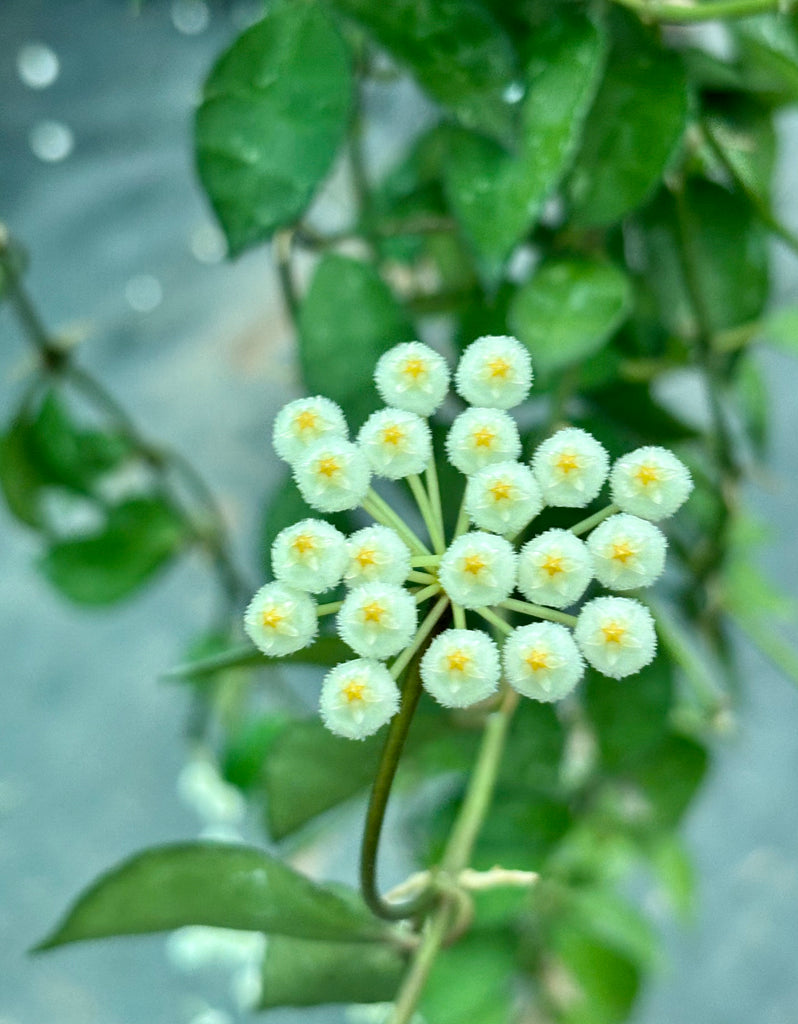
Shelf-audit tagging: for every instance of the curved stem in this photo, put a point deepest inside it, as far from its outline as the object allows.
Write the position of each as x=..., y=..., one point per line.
x=476, y=802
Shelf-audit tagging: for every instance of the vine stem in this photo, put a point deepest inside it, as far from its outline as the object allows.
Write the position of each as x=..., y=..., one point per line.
x=457, y=854
x=427, y=512
x=662, y=10
x=383, y=779
x=380, y=510
x=162, y=461
x=434, y=491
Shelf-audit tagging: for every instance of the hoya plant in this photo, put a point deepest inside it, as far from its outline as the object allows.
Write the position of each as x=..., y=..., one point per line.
x=500, y=343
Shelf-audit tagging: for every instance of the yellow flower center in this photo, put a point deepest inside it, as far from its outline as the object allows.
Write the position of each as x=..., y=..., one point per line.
x=271, y=617
x=567, y=462
x=537, y=660
x=552, y=564
x=393, y=435
x=622, y=551
x=499, y=367
x=474, y=564
x=329, y=466
x=307, y=420
x=373, y=612
x=501, y=490
x=614, y=632
x=458, y=661
x=484, y=437
x=303, y=543
x=365, y=557
x=647, y=474
x=354, y=691
x=414, y=368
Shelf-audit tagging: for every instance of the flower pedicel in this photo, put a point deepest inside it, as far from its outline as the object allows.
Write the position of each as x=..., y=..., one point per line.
x=400, y=585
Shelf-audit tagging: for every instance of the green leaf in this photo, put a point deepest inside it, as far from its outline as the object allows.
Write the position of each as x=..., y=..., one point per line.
x=247, y=747
x=753, y=402
x=274, y=111
x=297, y=972
x=633, y=130
x=728, y=250
x=569, y=310
x=213, y=884
x=347, y=320
x=309, y=770
x=744, y=133
x=767, y=52
x=44, y=447
x=669, y=777
x=138, y=537
x=601, y=983
x=674, y=870
x=455, y=50
x=326, y=650
x=638, y=418
x=471, y=981
x=629, y=717
x=497, y=197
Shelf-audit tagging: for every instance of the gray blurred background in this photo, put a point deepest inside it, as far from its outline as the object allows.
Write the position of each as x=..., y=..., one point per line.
x=96, y=178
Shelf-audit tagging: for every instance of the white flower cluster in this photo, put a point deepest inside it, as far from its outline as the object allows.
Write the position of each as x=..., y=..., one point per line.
x=390, y=571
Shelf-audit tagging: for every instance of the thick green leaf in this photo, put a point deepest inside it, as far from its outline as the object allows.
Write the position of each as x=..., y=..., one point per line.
x=767, y=53
x=347, y=320
x=497, y=197
x=569, y=310
x=631, y=412
x=138, y=537
x=471, y=982
x=601, y=982
x=274, y=111
x=674, y=869
x=211, y=884
x=629, y=717
x=297, y=972
x=247, y=747
x=455, y=50
x=727, y=249
x=632, y=131
x=308, y=771
x=44, y=447
x=326, y=650
x=745, y=135
x=669, y=777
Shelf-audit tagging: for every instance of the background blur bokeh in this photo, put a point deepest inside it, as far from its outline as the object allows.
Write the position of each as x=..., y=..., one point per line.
x=96, y=179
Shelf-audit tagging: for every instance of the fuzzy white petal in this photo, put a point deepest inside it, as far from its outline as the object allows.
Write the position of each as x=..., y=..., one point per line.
x=503, y=497
x=616, y=635
x=554, y=569
x=334, y=475
x=396, y=443
x=412, y=376
x=280, y=619
x=495, y=372
x=302, y=423
x=461, y=667
x=650, y=482
x=542, y=661
x=627, y=552
x=310, y=555
x=481, y=437
x=571, y=467
x=377, y=620
x=376, y=554
x=478, y=569
x=357, y=698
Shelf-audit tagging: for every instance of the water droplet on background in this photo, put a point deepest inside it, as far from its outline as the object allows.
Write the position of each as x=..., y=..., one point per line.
x=37, y=65
x=143, y=293
x=190, y=16
x=51, y=141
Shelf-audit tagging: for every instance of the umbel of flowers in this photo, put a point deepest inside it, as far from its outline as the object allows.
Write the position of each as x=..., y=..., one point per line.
x=400, y=585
